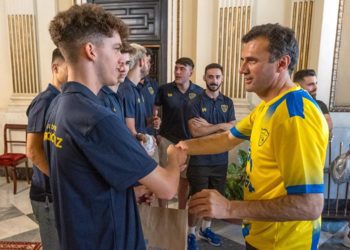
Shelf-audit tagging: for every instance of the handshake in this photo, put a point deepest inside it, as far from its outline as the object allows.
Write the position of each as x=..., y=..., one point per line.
x=177, y=155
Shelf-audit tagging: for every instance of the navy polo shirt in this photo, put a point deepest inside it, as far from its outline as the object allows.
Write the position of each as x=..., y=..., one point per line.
x=323, y=107
x=149, y=90
x=40, y=186
x=134, y=104
x=214, y=111
x=112, y=100
x=94, y=164
x=174, y=104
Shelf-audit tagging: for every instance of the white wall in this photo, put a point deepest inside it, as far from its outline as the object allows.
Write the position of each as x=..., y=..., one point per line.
x=206, y=38
x=326, y=43
x=45, y=12
x=5, y=65
x=271, y=11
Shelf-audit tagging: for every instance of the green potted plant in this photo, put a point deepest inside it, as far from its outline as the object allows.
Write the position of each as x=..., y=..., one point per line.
x=236, y=177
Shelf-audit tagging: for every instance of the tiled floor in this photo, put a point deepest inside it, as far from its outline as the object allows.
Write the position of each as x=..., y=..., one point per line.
x=17, y=223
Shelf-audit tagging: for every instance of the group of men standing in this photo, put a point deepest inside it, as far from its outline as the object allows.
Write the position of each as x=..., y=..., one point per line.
x=91, y=140
x=135, y=99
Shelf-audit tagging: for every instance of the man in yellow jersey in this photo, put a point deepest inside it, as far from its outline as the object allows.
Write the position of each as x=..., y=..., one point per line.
x=283, y=190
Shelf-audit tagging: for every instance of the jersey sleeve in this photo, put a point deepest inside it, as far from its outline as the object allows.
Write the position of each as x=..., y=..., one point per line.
x=300, y=150
x=243, y=129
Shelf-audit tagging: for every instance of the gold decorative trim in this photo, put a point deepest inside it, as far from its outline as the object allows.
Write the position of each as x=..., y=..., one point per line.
x=23, y=51
x=234, y=22
x=337, y=49
x=302, y=12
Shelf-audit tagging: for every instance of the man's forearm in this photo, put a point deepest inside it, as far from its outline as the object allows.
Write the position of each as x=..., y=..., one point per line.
x=39, y=160
x=286, y=208
x=205, y=130
x=35, y=151
x=130, y=123
x=209, y=144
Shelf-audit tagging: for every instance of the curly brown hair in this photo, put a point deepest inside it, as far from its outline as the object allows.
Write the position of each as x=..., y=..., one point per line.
x=81, y=24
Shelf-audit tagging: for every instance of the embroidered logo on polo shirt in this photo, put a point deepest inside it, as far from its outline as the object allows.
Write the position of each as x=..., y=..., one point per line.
x=224, y=108
x=151, y=90
x=170, y=94
x=204, y=109
x=192, y=95
x=264, y=134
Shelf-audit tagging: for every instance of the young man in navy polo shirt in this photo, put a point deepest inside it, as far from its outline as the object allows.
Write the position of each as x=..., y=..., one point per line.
x=173, y=98
x=108, y=94
x=40, y=192
x=135, y=107
x=94, y=160
x=211, y=112
x=149, y=89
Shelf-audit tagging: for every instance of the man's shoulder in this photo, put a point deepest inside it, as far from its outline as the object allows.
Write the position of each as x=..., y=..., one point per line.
x=48, y=94
x=323, y=107
x=198, y=99
x=43, y=99
x=169, y=85
x=151, y=82
x=227, y=99
x=79, y=110
x=126, y=89
x=196, y=88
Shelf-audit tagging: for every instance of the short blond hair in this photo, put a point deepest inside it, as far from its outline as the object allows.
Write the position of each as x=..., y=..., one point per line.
x=138, y=53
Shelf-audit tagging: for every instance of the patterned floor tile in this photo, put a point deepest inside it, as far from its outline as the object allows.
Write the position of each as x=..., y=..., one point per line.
x=30, y=236
x=16, y=226
x=9, y=212
x=32, y=217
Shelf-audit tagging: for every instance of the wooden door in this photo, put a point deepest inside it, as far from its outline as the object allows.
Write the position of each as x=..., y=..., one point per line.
x=147, y=20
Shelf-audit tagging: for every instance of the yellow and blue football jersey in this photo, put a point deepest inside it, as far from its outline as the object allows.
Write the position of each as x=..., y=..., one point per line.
x=288, y=139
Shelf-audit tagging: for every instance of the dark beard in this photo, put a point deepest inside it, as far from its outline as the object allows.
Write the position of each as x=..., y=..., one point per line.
x=213, y=87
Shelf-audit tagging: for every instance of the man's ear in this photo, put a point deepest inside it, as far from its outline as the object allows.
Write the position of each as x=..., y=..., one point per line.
x=283, y=63
x=141, y=62
x=90, y=51
x=54, y=68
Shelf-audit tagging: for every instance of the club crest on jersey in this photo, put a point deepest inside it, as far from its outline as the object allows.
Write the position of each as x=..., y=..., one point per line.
x=264, y=134
x=224, y=108
x=138, y=100
x=248, y=184
x=204, y=109
x=151, y=90
x=192, y=95
x=170, y=94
